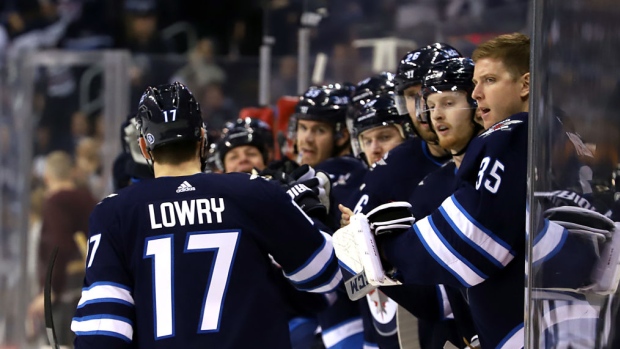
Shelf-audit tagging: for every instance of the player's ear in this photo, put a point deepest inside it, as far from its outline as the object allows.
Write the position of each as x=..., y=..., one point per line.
x=525, y=85
x=143, y=149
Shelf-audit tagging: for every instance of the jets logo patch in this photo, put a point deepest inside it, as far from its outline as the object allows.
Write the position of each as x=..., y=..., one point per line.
x=505, y=125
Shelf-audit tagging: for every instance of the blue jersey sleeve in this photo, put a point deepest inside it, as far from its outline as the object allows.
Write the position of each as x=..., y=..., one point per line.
x=467, y=239
x=305, y=253
x=105, y=315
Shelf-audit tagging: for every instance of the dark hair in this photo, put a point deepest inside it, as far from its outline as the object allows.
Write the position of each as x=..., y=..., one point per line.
x=175, y=153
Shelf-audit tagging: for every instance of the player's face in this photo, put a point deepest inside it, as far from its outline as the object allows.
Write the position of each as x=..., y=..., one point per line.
x=412, y=96
x=378, y=141
x=499, y=93
x=315, y=141
x=451, y=116
x=243, y=159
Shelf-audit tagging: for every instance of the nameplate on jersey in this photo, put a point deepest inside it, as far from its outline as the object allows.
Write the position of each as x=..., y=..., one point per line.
x=505, y=125
x=186, y=212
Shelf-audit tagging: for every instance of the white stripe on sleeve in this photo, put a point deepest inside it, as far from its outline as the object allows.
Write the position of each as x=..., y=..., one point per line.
x=315, y=264
x=444, y=256
x=490, y=246
x=105, y=326
x=99, y=293
x=336, y=334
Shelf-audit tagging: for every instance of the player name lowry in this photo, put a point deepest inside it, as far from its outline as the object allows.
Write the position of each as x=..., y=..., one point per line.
x=186, y=212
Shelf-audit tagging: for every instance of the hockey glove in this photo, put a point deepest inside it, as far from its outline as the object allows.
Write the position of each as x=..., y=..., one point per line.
x=307, y=199
x=390, y=218
x=581, y=221
x=588, y=223
x=318, y=181
x=357, y=253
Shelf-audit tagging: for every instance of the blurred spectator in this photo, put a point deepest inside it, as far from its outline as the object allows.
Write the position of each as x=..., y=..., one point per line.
x=24, y=15
x=217, y=19
x=59, y=88
x=79, y=126
x=284, y=81
x=283, y=25
x=247, y=33
x=94, y=26
x=344, y=64
x=141, y=32
x=216, y=108
x=143, y=38
x=201, y=70
x=88, y=166
x=64, y=222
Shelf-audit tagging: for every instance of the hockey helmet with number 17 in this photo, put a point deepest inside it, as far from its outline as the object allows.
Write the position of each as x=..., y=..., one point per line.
x=169, y=114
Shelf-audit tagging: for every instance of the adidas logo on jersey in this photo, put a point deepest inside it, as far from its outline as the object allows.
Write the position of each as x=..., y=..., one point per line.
x=185, y=186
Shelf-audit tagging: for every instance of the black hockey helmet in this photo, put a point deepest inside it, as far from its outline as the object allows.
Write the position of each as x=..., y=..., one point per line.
x=326, y=103
x=377, y=112
x=237, y=136
x=450, y=75
x=167, y=114
x=255, y=125
x=414, y=65
x=372, y=86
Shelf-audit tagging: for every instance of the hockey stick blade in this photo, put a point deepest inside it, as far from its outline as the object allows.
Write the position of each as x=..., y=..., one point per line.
x=47, y=301
x=358, y=286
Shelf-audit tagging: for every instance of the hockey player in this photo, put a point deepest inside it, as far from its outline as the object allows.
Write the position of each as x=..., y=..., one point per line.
x=451, y=113
x=376, y=127
x=322, y=139
x=404, y=167
x=129, y=166
x=182, y=260
x=241, y=149
x=409, y=162
x=323, y=142
x=463, y=243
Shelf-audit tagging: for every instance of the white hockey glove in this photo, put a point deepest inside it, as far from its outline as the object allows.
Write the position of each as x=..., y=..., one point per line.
x=577, y=220
x=356, y=249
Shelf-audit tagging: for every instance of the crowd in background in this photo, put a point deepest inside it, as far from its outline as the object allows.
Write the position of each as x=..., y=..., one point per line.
x=212, y=47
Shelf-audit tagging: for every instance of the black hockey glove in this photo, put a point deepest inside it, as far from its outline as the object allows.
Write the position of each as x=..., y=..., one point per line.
x=391, y=218
x=318, y=181
x=308, y=199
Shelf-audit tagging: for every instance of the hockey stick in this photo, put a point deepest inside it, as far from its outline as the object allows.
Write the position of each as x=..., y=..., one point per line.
x=47, y=301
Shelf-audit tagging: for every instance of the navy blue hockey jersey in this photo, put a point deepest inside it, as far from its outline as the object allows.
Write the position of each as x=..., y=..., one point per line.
x=346, y=173
x=476, y=238
x=394, y=177
x=433, y=190
x=183, y=262
x=341, y=323
x=438, y=307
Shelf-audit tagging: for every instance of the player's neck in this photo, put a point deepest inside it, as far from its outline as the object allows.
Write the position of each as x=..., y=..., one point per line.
x=458, y=159
x=525, y=105
x=436, y=150
x=187, y=168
